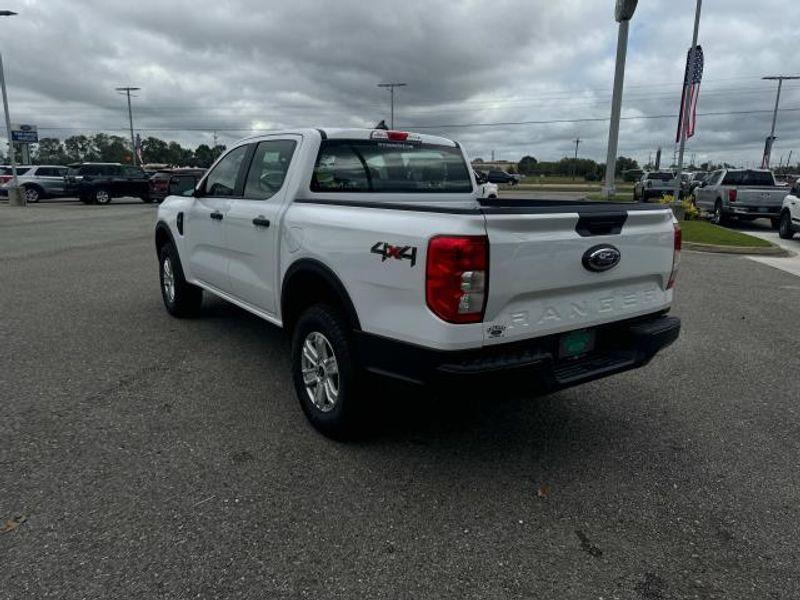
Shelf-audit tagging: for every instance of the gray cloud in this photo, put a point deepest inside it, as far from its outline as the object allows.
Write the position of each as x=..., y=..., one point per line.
x=245, y=65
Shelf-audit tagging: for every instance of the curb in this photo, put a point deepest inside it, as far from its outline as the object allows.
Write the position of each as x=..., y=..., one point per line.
x=769, y=251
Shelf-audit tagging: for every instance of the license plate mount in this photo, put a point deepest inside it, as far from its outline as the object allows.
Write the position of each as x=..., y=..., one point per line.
x=576, y=343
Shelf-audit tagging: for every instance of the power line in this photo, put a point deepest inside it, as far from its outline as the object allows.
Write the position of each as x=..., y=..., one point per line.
x=219, y=128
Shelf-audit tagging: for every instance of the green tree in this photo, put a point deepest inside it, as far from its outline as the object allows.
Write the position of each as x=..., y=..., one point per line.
x=527, y=166
x=154, y=150
x=79, y=148
x=112, y=148
x=50, y=151
x=625, y=164
x=204, y=155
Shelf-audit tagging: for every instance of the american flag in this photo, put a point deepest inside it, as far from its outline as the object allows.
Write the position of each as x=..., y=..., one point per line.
x=691, y=86
x=138, y=147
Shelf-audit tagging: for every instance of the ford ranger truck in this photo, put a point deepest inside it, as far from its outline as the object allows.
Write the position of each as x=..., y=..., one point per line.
x=373, y=250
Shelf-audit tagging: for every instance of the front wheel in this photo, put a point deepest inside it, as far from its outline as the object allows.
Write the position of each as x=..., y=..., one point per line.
x=181, y=299
x=785, y=229
x=32, y=194
x=325, y=373
x=719, y=218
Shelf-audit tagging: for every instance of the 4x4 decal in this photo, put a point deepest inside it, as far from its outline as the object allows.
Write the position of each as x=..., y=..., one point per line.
x=386, y=251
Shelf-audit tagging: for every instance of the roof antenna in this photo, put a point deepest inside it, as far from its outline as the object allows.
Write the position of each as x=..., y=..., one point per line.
x=382, y=125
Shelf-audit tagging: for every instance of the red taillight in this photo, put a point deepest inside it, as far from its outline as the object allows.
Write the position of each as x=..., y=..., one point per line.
x=5, y=178
x=398, y=136
x=731, y=195
x=676, y=256
x=457, y=277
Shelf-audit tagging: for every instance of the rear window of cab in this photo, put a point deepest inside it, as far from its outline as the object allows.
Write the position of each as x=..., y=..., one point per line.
x=376, y=166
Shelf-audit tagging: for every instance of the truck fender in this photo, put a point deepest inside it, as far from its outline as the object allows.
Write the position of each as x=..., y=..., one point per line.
x=308, y=281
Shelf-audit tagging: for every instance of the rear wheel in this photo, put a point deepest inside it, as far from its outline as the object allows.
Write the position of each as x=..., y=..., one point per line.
x=325, y=373
x=101, y=196
x=181, y=299
x=719, y=217
x=785, y=228
x=775, y=222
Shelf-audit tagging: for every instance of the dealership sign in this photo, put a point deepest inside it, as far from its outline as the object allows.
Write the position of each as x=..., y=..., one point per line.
x=25, y=134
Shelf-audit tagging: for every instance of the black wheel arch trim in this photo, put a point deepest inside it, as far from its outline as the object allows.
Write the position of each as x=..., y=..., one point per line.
x=316, y=267
x=162, y=227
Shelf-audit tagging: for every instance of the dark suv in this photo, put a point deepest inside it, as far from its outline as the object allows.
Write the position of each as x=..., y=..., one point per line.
x=98, y=183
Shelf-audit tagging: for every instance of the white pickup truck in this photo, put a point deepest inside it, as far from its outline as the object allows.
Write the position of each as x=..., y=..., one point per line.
x=744, y=194
x=373, y=249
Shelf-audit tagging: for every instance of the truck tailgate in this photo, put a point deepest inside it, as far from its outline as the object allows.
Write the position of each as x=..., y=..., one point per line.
x=761, y=197
x=539, y=283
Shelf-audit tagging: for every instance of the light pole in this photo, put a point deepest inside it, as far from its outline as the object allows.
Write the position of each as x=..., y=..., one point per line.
x=623, y=13
x=391, y=87
x=771, y=139
x=15, y=198
x=127, y=91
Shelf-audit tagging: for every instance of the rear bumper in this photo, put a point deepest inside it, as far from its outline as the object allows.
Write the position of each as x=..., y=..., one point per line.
x=620, y=347
x=754, y=211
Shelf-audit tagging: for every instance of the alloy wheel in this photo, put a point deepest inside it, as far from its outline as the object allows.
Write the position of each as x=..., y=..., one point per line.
x=320, y=371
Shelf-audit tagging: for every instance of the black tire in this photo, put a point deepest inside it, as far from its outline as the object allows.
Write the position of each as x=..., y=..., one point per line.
x=185, y=299
x=719, y=217
x=775, y=222
x=32, y=193
x=147, y=199
x=338, y=419
x=786, y=229
x=101, y=196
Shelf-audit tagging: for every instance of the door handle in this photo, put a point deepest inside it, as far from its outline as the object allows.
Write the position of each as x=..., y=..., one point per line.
x=261, y=222
x=216, y=215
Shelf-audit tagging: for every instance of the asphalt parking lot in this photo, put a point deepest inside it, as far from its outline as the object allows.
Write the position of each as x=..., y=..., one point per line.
x=157, y=458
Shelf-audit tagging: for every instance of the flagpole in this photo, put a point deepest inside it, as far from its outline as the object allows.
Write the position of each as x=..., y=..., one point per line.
x=685, y=109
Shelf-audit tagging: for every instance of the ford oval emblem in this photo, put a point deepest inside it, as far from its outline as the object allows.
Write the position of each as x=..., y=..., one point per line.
x=601, y=258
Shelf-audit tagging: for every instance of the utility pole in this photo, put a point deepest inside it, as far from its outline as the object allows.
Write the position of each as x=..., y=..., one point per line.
x=127, y=91
x=771, y=139
x=575, y=162
x=623, y=13
x=390, y=87
x=683, y=125
x=15, y=197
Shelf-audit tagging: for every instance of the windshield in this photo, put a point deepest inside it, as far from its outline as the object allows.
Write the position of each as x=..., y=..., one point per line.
x=753, y=178
x=661, y=176
x=389, y=167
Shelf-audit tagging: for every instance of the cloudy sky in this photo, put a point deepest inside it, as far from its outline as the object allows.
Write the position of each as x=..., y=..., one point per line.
x=241, y=66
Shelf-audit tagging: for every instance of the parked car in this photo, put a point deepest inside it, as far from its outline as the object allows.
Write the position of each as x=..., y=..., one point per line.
x=696, y=179
x=486, y=189
x=789, y=220
x=98, y=183
x=6, y=174
x=173, y=181
x=36, y=182
x=374, y=250
x=744, y=194
x=498, y=176
x=655, y=184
